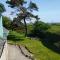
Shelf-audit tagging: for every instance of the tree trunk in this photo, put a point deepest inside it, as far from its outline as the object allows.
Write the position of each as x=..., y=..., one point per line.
x=25, y=27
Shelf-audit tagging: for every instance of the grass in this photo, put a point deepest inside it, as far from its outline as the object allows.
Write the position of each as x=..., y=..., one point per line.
x=55, y=29
x=35, y=46
x=39, y=51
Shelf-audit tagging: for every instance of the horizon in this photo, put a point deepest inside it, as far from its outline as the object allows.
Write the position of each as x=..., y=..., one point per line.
x=49, y=10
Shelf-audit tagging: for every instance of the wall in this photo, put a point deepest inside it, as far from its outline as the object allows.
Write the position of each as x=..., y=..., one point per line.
x=5, y=53
x=1, y=27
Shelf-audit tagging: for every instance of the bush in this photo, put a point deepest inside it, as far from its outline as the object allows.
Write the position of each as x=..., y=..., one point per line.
x=15, y=36
x=6, y=22
x=39, y=29
x=41, y=26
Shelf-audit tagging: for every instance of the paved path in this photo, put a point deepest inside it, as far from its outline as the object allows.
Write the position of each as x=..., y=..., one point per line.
x=14, y=53
x=2, y=43
x=3, y=50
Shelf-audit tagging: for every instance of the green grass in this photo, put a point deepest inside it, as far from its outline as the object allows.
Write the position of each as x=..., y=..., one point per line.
x=39, y=51
x=54, y=29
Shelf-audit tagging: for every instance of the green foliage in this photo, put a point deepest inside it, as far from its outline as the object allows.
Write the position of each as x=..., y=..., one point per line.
x=39, y=51
x=6, y=22
x=17, y=25
x=15, y=36
x=2, y=8
x=36, y=47
x=55, y=28
x=15, y=3
x=24, y=10
x=39, y=29
x=39, y=25
x=33, y=6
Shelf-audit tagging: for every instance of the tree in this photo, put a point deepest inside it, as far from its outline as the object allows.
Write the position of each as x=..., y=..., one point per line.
x=25, y=12
x=2, y=8
x=39, y=29
x=6, y=22
x=41, y=26
x=17, y=25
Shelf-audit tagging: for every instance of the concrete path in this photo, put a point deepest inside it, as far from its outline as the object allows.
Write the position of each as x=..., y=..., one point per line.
x=4, y=52
x=14, y=53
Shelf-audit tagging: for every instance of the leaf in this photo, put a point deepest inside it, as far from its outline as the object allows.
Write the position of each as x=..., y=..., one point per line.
x=2, y=8
x=32, y=6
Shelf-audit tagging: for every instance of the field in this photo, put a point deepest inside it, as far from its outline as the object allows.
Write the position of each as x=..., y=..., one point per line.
x=55, y=29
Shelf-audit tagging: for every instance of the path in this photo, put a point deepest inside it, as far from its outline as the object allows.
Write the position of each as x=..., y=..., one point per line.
x=14, y=53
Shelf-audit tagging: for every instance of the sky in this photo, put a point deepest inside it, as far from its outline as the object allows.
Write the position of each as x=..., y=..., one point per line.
x=49, y=10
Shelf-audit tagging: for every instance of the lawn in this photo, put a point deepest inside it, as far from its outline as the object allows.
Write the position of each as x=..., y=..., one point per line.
x=55, y=29
x=37, y=48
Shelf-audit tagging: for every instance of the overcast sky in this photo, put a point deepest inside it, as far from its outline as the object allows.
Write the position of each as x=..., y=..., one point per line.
x=49, y=10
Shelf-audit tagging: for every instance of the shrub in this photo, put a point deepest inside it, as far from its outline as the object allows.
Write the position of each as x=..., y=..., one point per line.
x=7, y=22
x=13, y=35
x=39, y=29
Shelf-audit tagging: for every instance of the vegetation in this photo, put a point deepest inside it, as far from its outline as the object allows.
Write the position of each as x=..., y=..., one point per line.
x=2, y=8
x=36, y=47
x=42, y=39
x=45, y=47
x=25, y=12
x=55, y=28
x=39, y=29
x=7, y=22
x=17, y=25
x=15, y=36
